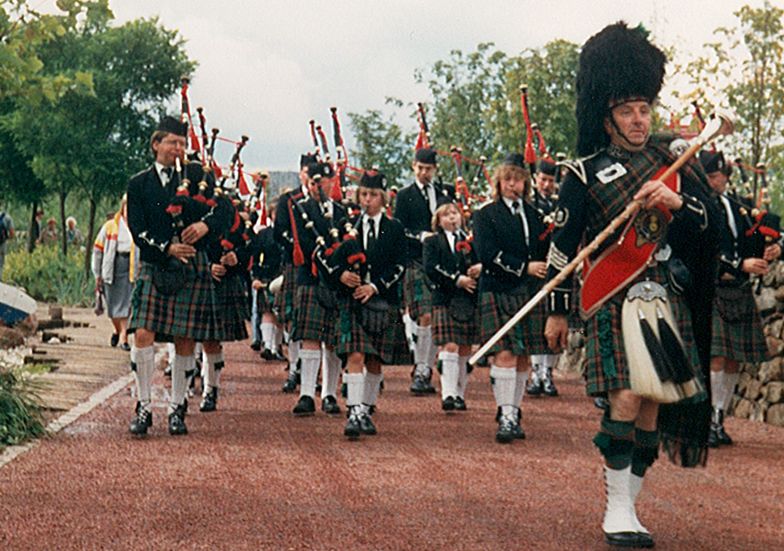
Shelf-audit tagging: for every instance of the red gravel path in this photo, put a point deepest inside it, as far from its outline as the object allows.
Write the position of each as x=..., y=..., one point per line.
x=250, y=476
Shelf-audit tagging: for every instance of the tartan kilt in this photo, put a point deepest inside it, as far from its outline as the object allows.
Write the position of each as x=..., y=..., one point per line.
x=232, y=311
x=189, y=313
x=416, y=293
x=312, y=321
x=390, y=345
x=606, y=367
x=743, y=340
x=447, y=329
x=527, y=337
x=285, y=299
x=265, y=301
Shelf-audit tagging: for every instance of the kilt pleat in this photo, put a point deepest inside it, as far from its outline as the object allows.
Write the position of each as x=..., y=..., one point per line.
x=741, y=340
x=447, y=329
x=312, y=320
x=189, y=313
x=232, y=311
x=389, y=345
x=526, y=338
x=284, y=304
x=416, y=292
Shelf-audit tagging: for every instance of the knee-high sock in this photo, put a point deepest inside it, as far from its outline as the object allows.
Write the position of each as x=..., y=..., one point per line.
x=294, y=352
x=462, y=378
x=143, y=367
x=212, y=364
x=717, y=389
x=520, y=379
x=370, y=389
x=255, y=315
x=170, y=352
x=548, y=361
x=422, y=350
x=504, y=383
x=409, y=328
x=450, y=374
x=268, y=335
x=330, y=373
x=355, y=383
x=182, y=364
x=730, y=381
x=310, y=361
x=277, y=336
x=432, y=351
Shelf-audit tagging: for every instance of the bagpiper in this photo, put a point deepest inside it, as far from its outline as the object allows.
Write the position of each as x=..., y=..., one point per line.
x=414, y=207
x=265, y=268
x=737, y=329
x=174, y=295
x=506, y=232
x=640, y=314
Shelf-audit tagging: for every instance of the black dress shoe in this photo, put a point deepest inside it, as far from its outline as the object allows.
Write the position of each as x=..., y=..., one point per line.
x=125, y=346
x=448, y=403
x=601, y=403
x=210, y=401
x=114, y=340
x=460, y=404
x=366, y=425
x=629, y=539
x=305, y=406
x=329, y=405
x=534, y=387
x=177, y=421
x=255, y=345
x=141, y=422
x=506, y=431
x=267, y=355
x=519, y=433
x=290, y=385
x=419, y=386
x=352, y=430
x=548, y=387
x=429, y=388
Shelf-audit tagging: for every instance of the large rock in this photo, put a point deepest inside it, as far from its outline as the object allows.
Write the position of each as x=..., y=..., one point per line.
x=753, y=390
x=10, y=337
x=775, y=346
x=758, y=410
x=767, y=299
x=773, y=329
x=773, y=392
x=770, y=371
x=743, y=409
x=775, y=415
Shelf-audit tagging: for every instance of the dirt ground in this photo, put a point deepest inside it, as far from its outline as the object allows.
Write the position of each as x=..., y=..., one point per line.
x=251, y=476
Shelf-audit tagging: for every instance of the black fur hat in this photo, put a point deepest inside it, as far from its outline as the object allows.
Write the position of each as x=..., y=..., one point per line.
x=617, y=64
x=714, y=161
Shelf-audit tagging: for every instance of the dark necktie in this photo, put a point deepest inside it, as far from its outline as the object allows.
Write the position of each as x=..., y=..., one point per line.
x=371, y=234
x=426, y=194
x=171, y=185
x=516, y=207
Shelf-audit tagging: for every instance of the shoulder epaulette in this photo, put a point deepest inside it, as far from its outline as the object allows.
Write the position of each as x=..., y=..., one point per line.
x=577, y=167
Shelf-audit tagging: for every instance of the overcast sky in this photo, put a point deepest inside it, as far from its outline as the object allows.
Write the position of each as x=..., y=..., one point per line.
x=266, y=67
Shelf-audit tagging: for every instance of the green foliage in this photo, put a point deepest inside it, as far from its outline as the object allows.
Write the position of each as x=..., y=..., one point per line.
x=50, y=277
x=382, y=143
x=20, y=410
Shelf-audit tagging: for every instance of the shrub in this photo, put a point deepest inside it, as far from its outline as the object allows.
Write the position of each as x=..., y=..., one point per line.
x=20, y=412
x=49, y=277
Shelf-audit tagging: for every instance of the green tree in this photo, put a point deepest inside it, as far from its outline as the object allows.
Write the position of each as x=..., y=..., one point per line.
x=381, y=142
x=743, y=70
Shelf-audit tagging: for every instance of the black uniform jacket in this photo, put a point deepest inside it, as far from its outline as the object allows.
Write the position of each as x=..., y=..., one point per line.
x=413, y=211
x=443, y=267
x=385, y=262
x=282, y=226
x=151, y=226
x=500, y=243
x=312, y=209
x=267, y=256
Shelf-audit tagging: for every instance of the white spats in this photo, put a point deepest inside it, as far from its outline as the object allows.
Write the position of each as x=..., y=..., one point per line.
x=355, y=388
x=635, y=485
x=619, y=511
x=370, y=392
x=462, y=378
x=450, y=374
x=310, y=360
x=268, y=335
x=182, y=364
x=211, y=366
x=330, y=373
x=143, y=360
x=504, y=382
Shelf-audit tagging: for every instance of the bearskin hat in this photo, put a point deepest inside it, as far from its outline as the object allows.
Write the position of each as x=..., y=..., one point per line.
x=617, y=64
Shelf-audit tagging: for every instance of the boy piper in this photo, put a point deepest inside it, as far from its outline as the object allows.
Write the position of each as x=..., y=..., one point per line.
x=620, y=74
x=174, y=293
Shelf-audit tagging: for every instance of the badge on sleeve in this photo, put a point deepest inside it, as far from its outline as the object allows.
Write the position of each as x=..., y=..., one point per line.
x=612, y=172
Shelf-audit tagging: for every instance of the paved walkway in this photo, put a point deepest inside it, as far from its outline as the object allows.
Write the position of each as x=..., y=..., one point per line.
x=250, y=476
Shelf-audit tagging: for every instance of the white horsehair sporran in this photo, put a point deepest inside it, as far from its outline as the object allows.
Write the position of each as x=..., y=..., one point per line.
x=659, y=368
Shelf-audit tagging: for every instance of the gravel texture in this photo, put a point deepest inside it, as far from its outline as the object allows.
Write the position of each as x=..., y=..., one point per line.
x=251, y=476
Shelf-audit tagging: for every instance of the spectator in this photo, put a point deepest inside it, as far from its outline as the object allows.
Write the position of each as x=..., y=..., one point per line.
x=49, y=234
x=114, y=262
x=72, y=233
x=6, y=233
x=35, y=231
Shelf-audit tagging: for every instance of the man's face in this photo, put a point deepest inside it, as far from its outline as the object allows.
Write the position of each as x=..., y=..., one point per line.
x=170, y=148
x=371, y=200
x=545, y=184
x=512, y=186
x=303, y=175
x=313, y=188
x=632, y=121
x=424, y=173
x=718, y=181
